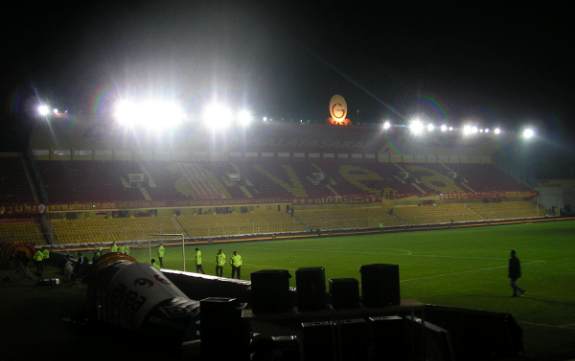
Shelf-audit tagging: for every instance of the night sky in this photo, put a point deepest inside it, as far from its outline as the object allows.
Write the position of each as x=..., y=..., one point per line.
x=286, y=59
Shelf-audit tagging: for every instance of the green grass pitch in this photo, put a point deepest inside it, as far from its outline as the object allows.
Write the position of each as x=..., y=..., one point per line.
x=458, y=267
x=462, y=267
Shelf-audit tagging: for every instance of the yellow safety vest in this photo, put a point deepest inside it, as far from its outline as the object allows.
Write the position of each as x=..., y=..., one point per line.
x=38, y=256
x=221, y=259
x=237, y=260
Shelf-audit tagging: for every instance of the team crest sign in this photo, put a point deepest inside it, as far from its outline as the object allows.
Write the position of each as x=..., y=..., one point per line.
x=338, y=111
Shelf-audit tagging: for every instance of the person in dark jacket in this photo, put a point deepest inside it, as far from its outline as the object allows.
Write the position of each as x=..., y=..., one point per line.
x=514, y=273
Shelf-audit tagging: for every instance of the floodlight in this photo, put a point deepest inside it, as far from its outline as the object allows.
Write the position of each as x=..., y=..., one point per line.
x=217, y=116
x=165, y=114
x=528, y=133
x=487, y=130
x=125, y=113
x=430, y=127
x=386, y=125
x=496, y=131
x=443, y=128
x=451, y=129
x=469, y=130
x=43, y=110
x=154, y=114
x=416, y=127
x=481, y=130
x=244, y=118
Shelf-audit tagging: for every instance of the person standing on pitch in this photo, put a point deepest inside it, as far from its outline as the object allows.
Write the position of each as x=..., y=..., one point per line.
x=199, y=268
x=38, y=259
x=161, y=254
x=114, y=247
x=236, y=262
x=514, y=273
x=46, y=253
x=220, y=263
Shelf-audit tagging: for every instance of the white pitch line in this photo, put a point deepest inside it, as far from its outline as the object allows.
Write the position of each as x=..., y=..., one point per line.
x=456, y=257
x=569, y=326
x=403, y=252
x=460, y=272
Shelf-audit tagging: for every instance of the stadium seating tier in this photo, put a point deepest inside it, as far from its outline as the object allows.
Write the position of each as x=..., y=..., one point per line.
x=267, y=180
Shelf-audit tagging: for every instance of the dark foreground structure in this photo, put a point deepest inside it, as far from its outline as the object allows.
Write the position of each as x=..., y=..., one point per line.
x=158, y=313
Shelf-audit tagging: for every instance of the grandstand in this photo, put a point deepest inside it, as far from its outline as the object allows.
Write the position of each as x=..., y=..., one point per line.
x=189, y=183
x=98, y=186
x=20, y=230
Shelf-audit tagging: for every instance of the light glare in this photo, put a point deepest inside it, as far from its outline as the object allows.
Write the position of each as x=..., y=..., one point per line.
x=386, y=125
x=528, y=133
x=244, y=118
x=469, y=130
x=217, y=116
x=153, y=114
x=416, y=127
x=43, y=110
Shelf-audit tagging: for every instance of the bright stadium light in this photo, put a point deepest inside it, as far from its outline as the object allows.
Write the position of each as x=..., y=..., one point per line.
x=497, y=131
x=469, y=130
x=487, y=130
x=126, y=113
x=165, y=114
x=416, y=127
x=386, y=125
x=153, y=114
x=443, y=128
x=430, y=127
x=217, y=116
x=451, y=129
x=528, y=133
x=244, y=118
x=43, y=110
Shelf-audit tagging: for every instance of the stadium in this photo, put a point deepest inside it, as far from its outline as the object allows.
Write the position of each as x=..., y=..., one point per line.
x=289, y=196
x=184, y=223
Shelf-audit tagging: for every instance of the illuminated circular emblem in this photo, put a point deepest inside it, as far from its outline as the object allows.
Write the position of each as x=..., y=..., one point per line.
x=338, y=110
